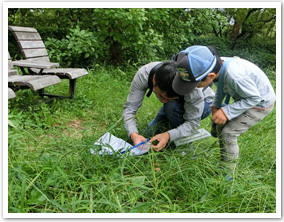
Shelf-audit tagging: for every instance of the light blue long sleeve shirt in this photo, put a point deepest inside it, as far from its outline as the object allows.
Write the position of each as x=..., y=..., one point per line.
x=248, y=85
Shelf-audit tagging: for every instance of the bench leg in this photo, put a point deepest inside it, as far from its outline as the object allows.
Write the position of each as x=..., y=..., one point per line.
x=72, y=90
x=41, y=92
x=72, y=87
x=23, y=70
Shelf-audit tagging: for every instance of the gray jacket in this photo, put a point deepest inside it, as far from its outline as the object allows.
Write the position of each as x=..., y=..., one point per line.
x=193, y=105
x=248, y=85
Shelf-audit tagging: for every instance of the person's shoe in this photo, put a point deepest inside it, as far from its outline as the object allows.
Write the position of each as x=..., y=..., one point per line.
x=227, y=177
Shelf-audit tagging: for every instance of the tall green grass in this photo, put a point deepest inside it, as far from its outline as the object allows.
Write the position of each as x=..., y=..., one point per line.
x=51, y=169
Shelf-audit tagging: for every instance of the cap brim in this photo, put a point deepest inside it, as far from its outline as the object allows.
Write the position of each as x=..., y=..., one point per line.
x=182, y=87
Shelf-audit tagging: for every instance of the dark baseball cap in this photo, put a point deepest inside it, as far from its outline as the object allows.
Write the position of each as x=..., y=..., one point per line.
x=194, y=64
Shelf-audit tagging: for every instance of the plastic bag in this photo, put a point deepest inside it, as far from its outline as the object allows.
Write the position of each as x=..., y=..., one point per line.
x=109, y=144
x=200, y=134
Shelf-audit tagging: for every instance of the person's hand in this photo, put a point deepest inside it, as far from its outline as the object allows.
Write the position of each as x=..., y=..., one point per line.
x=136, y=138
x=162, y=138
x=219, y=117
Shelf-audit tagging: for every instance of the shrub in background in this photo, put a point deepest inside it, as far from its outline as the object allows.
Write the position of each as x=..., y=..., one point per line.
x=80, y=48
x=88, y=36
x=262, y=53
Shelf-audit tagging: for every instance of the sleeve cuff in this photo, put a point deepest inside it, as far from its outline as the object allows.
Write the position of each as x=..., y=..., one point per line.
x=173, y=134
x=225, y=113
x=132, y=130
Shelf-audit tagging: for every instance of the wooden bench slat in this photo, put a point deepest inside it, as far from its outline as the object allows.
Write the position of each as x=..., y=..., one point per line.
x=70, y=73
x=12, y=72
x=33, y=82
x=31, y=44
x=39, y=59
x=22, y=29
x=27, y=36
x=31, y=64
x=11, y=93
x=31, y=53
x=10, y=64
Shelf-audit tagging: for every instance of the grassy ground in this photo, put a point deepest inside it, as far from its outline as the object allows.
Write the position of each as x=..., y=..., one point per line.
x=51, y=169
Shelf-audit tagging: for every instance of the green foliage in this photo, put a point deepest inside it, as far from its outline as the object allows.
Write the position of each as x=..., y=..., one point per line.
x=125, y=34
x=85, y=37
x=262, y=53
x=14, y=119
x=222, y=46
x=80, y=48
x=14, y=126
x=206, y=21
x=175, y=27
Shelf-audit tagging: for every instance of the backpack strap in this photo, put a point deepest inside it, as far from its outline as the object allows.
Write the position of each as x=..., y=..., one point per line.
x=220, y=84
x=150, y=78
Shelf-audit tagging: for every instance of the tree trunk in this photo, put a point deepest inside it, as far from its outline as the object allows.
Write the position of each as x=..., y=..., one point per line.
x=236, y=30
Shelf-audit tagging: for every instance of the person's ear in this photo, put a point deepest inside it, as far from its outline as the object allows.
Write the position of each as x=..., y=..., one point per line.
x=211, y=75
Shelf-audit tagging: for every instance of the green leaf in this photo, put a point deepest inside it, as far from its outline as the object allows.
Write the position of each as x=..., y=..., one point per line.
x=143, y=206
x=23, y=193
x=167, y=197
x=10, y=123
x=204, y=196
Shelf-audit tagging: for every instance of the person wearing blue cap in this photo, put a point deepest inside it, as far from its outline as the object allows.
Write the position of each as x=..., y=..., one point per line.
x=245, y=82
x=180, y=114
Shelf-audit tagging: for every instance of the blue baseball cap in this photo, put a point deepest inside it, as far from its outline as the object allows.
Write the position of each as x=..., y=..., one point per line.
x=194, y=64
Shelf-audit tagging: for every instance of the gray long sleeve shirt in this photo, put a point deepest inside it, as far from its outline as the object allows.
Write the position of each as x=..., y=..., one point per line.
x=248, y=85
x=193, y=105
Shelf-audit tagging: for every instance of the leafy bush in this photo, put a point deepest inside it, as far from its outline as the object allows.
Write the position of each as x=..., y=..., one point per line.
x=80, y=48
x=126, y=35
x=175, y=27
x=222, y=46
x=118, y=36
x=261, y=53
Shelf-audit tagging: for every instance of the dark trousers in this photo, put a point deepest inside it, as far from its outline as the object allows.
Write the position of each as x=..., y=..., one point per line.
x=171, y=113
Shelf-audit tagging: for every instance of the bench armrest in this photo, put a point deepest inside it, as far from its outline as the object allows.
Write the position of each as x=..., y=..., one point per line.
x=38, y=65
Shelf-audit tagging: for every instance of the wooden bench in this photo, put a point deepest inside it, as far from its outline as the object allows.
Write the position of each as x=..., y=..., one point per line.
x=11, y=93
x=33, y=82
x=33, y=49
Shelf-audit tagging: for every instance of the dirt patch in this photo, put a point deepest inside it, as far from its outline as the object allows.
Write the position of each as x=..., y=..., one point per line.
x=74, y=129
x=77, y=124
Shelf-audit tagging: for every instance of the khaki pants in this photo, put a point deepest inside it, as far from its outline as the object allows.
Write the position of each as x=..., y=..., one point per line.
x=228, y=133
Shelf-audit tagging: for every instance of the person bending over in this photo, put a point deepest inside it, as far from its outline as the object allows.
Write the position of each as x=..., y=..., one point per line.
x=182, y=113
x=245, y=82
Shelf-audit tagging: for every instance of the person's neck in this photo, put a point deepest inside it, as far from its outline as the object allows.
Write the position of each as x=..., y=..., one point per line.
x=217, y=75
